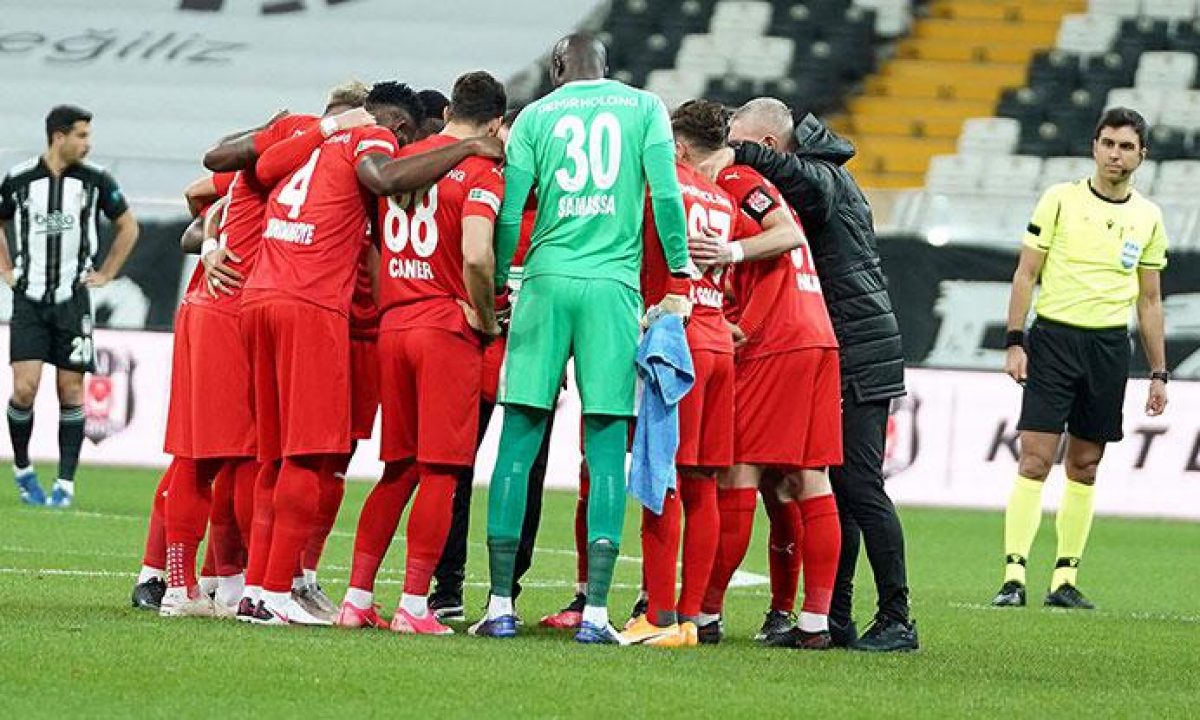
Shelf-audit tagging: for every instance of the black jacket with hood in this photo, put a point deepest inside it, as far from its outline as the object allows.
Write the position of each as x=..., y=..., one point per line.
x=841, y=232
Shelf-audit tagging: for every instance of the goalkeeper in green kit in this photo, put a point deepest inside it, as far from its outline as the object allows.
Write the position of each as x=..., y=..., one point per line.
x=589, y=149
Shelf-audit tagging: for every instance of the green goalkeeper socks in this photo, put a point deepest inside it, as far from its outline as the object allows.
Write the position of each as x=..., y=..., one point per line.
x=605, y=438
x=520, y=439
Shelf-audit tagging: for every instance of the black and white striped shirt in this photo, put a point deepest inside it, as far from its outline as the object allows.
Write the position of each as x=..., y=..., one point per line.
x=54, y=223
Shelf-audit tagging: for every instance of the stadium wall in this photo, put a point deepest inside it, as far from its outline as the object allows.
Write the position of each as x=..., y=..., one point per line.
x=952, y=441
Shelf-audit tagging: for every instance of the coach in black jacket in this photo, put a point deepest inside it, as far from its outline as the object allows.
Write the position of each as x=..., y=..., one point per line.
x=807, y=167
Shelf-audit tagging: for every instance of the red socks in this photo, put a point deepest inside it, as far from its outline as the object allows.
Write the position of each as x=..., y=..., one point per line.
x=263, y=527
x=660, y=548
x=378, y=520
x=156, y=535
x=736, y=506
x=225, y=539
x=296, y=501
x=428, y=525
x=189, y=500
x=701, y=533
x=822, y=548
x=333, y=487
x=581, y=568
x=784, y=550
x=245, y=474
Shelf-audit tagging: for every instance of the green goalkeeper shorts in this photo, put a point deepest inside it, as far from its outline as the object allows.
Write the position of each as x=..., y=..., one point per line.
x=594, y=321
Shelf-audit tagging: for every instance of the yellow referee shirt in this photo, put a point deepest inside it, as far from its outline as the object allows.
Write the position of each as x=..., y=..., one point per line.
x=1094, y=247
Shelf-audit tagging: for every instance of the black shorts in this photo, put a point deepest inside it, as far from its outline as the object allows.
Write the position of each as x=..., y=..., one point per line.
x=56, y=333
x=1076, y=379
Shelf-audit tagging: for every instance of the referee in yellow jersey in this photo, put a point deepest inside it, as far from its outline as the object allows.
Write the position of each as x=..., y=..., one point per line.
x=1097, y=247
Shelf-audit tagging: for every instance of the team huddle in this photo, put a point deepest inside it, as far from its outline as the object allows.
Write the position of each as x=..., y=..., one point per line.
x=384, y=259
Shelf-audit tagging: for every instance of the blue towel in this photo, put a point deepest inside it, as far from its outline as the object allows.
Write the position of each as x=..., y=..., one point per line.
x=664, y=364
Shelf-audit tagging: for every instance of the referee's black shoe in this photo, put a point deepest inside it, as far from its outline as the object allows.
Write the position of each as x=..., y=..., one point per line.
x=1068, y=596
x=1012, y=594
x=796, y=638
x=148, y=595
x=888, y=635
x=843, y=635
x=775, y=623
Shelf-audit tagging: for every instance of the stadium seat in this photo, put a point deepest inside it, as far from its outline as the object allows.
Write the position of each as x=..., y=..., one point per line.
x=703, y=54
x=1140, y=35
x=987, y=136
x=741, y=16
x=1012, y=174
x=767, y=58
x=1147, y=101
x=955, y=173
x=1168, y=143
x=1177, y=179
x=1174, y=10
x=1055, y=72
x=1144, y=177
x=1087, y=34
x=692, y=16
x=1185, y=37
x=676, y=86
x=1025, y=105
x=1115, y=8
x=1046, y=141
x=1065, y=169
x=795, y=21
x=892, y=17
x=1165, y=69
x=1106, y=71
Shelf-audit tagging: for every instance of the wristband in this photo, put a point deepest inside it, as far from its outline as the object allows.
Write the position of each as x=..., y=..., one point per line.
x=1014, y=338
x=208, y=246
x=737, y=253
x=1161, y=375
x=328, y=126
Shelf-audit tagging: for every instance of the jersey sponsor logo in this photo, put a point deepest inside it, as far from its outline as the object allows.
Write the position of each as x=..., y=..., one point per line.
x=457, y=175
x=758, y=203
x=409, y=269
x=575, y=103
x=705, y=196
x=707, y=296
x=54, y=222
x=486, y=197
x=300, y=233
x=587, y=206
x=364, y=145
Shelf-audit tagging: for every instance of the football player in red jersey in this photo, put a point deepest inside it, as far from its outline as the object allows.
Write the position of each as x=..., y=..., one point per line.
x=435, y=295
x=296, y=305
x=785, y=349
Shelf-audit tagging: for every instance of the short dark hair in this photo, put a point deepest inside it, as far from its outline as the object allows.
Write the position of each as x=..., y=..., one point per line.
x=398, y=95
x=434, y=102
x=703, y=123
x=1119, y=117
x=62, y=118
x=477, y=97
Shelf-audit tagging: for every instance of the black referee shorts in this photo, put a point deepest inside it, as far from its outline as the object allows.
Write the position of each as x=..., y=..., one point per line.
x=56, y=333
x=1076, y=379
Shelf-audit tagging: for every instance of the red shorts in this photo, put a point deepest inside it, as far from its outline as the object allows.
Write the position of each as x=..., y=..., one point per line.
x=209, y=415
x=789, y=410
x=429, y=383
x=300, y=360
x=706, y=414
x=364, y=387
x=493, y=358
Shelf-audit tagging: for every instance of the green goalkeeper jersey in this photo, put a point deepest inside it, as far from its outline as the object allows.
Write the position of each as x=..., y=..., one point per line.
x=584, y=148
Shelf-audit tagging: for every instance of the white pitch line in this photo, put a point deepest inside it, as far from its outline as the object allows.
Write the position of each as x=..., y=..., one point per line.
x=1167, y=617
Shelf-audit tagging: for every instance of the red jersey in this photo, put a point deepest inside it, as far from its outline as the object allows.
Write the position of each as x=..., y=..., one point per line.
x=315, y=223
x=706, y=206
x=364, y=313
x=196, y=292
x=421, y=258
x=779, y=302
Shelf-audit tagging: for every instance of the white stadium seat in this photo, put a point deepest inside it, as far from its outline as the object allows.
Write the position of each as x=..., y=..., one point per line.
x=1170, y=9
x=1178, y=179
x=703, y=54
x=1169, y=70
x=1012, y=175
x=1087, y=34
x=892, y=17
x=1145, y=176
x=1065, y=169
x=1181, y=110
x=1147, y=101
x=745, y=16
x=1115, y=8
x=768, y=58
x=989, y=136
x=676, y=86
x=954, y=173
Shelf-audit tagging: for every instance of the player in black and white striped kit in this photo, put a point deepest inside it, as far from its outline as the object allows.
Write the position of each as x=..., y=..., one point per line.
x=49, y=212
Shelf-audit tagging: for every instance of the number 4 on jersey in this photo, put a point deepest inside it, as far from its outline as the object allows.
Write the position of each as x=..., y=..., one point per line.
x=295, y=192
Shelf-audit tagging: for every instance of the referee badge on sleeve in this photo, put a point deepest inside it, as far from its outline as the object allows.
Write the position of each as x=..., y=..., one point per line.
x=1130, y=252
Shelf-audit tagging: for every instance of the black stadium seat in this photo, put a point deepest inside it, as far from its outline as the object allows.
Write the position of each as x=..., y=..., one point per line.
x=1104, y=72
x=1054, y=71
x=1137, y=35
x=1026, y=105
x=1168, y=143
x=1047, y=141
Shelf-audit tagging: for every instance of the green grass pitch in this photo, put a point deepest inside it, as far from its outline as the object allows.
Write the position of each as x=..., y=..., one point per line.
x=71, y=645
